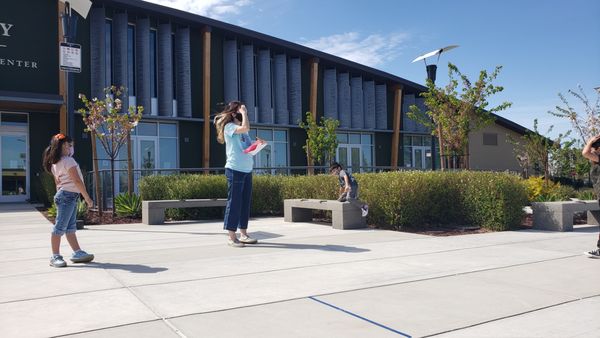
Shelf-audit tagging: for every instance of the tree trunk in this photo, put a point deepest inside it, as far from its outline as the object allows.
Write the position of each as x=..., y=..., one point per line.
x=97, y=192
x=112, y=173
x=546, y=171
x=112, y=188
x=311, y=165
x=467, y=156
x=129, y=166
x=441, y=143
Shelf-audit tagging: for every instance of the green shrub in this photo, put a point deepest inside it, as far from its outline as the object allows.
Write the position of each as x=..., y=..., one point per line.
x=586, y=194
x=52, y=211
x=398, y=199
x=128, y=205
x=540, y=191
x=81, y=209
x=48, y=187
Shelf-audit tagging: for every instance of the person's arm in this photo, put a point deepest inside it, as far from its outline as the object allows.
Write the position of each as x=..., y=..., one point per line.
x=587, y=150
x=346, y=182
x=245, y=127
x=74, y=175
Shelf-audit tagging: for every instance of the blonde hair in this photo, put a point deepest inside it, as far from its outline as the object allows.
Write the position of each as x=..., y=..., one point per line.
x=225, y=117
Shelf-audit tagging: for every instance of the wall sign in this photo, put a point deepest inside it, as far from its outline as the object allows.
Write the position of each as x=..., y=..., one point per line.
x=28, y=53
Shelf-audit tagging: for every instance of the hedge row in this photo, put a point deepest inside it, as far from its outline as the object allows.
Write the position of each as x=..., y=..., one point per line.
x=490, y=200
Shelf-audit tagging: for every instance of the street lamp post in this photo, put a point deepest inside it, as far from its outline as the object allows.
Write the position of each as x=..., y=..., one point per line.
x=69, y=26
x=431, y=75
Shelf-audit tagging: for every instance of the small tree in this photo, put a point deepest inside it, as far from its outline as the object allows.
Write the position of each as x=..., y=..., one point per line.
x=107, y=121
x=321, y=140
x=537, y=149
x=587, y=125
x=456, y=112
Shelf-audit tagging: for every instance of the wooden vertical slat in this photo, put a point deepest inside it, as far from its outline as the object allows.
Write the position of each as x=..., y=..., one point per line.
x=206, y=36
x=314, y=75
x=397, y=124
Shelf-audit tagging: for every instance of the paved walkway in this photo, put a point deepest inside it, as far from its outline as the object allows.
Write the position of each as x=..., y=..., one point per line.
x=302, y=280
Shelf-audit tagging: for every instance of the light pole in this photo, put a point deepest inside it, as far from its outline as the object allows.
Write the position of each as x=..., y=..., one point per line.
x=431, y=74
x=69, y=26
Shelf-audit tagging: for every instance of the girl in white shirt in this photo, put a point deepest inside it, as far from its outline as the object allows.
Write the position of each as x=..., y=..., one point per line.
x=58, y=160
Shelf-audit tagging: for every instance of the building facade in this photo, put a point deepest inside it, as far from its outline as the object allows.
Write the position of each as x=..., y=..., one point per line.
x=180, y=67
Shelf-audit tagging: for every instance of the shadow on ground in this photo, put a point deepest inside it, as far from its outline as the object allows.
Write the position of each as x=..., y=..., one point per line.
x=133, y=268
x=325, y=247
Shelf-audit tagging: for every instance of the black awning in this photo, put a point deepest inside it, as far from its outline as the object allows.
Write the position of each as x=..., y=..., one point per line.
x=30, y=98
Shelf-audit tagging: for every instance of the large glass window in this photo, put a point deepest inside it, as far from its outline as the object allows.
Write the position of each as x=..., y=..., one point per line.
x=154, y=146
x=131, y=60
x=275, y=154
x=355, y=151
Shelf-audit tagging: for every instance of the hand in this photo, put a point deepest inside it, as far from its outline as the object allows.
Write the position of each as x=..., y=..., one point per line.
x=89, y=202
x=243, y=110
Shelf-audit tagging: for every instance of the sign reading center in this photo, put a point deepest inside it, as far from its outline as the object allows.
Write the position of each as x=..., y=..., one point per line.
x=70, y=57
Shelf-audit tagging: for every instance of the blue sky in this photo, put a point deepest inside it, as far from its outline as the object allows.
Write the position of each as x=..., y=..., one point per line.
x=545, y=47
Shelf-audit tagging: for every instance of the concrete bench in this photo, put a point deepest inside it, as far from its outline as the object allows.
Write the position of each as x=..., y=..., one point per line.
x=153, y=212
x=558, y=216
x=344, y=215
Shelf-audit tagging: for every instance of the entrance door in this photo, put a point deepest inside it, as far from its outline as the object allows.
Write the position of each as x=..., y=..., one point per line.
x=145, y=155
x=14, y=164
x=421, y=157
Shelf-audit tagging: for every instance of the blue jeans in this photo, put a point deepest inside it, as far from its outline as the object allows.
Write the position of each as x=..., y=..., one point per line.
x=66, y=212
x=239, y=198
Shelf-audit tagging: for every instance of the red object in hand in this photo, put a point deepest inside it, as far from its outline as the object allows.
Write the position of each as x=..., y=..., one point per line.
x=252, y=147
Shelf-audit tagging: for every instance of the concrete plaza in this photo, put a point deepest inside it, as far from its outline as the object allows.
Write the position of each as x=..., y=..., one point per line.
x=301, y=280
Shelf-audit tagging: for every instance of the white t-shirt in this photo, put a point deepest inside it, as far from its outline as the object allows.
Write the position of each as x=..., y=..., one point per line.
x=60, y=170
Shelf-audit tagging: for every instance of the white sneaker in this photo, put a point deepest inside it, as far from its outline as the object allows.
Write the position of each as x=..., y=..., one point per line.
x=248, y=240
x=365, y=210
x=235, y=244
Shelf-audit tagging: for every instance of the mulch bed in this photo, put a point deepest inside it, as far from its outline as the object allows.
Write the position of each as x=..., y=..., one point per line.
x=93, y=218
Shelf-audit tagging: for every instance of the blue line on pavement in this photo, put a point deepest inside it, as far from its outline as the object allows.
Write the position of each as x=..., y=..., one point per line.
x=360, y=317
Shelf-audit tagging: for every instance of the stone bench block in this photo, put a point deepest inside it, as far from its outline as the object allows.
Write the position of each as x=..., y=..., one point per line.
x=153, y=212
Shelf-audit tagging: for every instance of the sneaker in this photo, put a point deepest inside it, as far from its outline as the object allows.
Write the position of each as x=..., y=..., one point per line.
x=593, y=253
x=235, y=244
x=248, y=240
x=57, y=261
x=365, y=210
x=81, y=257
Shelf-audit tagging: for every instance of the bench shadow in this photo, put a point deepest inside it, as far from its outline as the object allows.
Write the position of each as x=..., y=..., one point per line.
x=134, y=268
x=324, y=247
x=586, y=228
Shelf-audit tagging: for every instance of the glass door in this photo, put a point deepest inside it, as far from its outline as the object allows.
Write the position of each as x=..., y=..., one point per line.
x=145, y=155
x=349, y=157
x=14, y=185
x=421, y=157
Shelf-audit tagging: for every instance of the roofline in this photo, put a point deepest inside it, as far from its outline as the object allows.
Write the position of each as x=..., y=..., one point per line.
x=198, y=19
x=161, y=10
x=506, y=123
